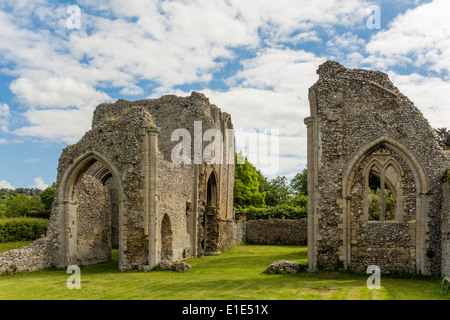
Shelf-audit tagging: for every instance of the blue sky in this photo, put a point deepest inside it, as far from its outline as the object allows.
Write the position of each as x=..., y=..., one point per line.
x=255, y=59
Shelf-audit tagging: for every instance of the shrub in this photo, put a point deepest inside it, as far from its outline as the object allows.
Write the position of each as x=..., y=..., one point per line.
x=282, y=211
x=44, y=214
x=25, y=229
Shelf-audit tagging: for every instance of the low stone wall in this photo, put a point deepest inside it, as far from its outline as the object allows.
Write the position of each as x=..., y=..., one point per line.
x=275, y=231
x=37, y=255
x=445, y=229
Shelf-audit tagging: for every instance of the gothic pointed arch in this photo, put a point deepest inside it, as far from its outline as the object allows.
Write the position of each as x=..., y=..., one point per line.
x=212, y=190
x=380, y=149
x=70, y=201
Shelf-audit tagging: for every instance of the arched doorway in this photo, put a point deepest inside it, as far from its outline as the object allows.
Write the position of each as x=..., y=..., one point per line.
x=90, y=197
x=210, y=216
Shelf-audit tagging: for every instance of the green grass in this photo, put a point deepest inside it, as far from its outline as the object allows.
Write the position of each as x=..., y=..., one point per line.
x=13, y=245
x=233, y=274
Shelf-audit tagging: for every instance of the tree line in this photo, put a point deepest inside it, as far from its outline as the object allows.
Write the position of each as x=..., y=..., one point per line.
x=256, y=197
x=26, y=202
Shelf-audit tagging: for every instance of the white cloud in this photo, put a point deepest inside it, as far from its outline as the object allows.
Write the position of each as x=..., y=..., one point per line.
x=282, y=19
x=420, y=36
x=123, y=44
x=39, y=184
x=430, y=94
x=57, y=124
x=5, y=185
x=56, y=92
x=271, y=92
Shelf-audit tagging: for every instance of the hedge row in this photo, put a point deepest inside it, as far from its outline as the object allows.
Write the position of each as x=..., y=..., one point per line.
x=24, y=229
x=40, y=214
x=277, y=212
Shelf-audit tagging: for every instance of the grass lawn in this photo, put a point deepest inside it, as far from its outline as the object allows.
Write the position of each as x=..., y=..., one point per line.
x=233, y=274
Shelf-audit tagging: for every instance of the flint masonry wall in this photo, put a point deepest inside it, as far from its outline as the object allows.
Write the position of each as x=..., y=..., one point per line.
x=275, y=231
x=177, y=185
x=271, y=231
x=446, y=229
x=93, y=223
x=359, y=119
x=118, y=187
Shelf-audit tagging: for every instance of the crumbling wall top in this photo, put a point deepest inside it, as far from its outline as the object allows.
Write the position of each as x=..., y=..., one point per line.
x=332, y=70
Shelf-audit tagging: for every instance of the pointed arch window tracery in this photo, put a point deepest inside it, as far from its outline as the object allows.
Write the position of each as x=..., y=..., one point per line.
x=383, y=196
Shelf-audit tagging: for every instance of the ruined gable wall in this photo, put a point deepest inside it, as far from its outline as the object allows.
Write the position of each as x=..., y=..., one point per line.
x=351, y=108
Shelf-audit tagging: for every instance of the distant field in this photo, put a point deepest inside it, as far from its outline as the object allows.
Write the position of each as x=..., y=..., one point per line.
x=235, y=274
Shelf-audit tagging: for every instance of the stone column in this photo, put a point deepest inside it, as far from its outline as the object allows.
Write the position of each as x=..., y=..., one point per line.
x=311, y=161
x=150, y=187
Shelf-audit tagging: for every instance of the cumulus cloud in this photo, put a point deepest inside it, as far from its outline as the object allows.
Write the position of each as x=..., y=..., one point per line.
x=56, y=92
x=39, y=184
x=57, y=124
x=271, y=92
x=420, y=37
x=127, y=45
x=5, y=185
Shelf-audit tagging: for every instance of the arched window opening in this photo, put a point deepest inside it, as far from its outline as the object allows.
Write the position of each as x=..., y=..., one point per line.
x=374, y=195
x=211, y=192
x=382, y=183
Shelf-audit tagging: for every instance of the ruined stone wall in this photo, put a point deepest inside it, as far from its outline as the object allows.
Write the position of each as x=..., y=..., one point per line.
x=119, y=187
x=276, y=231
x=446, y=229
x=171, y=113
x=93, y=223
x=35, y=256
x=228, y=234
x=117, y=141
x=113, y=195
x=354, y=112
x=174, y=196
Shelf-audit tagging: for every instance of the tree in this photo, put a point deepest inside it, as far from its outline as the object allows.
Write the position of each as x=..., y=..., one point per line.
x=20, y=204
x=246, y=184
x=299, y=183
x=443, y=137
x=47, y=196
x=278, y=191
